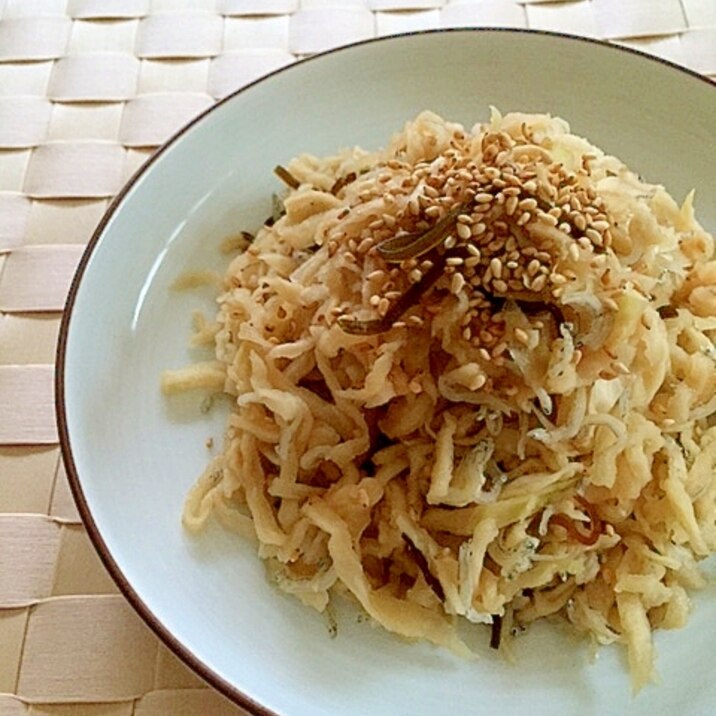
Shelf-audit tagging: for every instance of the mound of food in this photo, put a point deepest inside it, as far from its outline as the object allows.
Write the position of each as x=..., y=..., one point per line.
x=472, y=375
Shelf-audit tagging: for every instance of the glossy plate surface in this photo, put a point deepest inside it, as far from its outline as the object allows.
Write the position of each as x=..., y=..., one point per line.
x=132, y=454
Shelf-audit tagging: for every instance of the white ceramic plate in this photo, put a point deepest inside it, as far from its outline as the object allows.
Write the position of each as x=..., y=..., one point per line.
x=132, y=454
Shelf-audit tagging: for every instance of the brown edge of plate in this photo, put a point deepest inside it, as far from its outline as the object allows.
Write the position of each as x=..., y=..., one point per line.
x=188, y=657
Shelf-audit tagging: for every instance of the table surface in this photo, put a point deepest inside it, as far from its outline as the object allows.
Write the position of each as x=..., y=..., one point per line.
x=88, y=89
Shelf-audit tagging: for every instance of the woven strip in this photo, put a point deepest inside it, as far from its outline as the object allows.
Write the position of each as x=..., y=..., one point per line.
x=88, y=89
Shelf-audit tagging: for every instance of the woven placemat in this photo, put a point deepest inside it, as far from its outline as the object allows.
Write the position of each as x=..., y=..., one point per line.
x=88, y=88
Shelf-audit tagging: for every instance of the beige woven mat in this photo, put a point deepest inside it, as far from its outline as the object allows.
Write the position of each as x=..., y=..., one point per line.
x=87, y=89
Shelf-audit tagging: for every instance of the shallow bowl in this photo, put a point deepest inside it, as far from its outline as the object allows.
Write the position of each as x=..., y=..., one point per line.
x=132, y=455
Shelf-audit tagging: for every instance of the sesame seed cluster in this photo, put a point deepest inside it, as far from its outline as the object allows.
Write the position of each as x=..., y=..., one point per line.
x=491, y=218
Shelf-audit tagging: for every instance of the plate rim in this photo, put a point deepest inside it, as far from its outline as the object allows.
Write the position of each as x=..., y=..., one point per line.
x=188, y=657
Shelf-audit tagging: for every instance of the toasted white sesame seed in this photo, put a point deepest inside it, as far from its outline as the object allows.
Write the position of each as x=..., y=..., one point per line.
x=450, y=242
x=499, y=349
x=594, y=236
x=539, y=283
x=483, y=198
x=496, y=267
x=522, y=336
x=500, y=285
x=533, y=267
x=454, y=261
x=478, y=229
x=415, y=275
x=574, y=252
x=479, y=381
x=464, y=231
x=548, y=218
x=472, y=261
x=365, y=246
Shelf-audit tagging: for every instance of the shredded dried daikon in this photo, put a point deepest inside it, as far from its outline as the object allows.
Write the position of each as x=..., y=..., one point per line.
x=508, y=411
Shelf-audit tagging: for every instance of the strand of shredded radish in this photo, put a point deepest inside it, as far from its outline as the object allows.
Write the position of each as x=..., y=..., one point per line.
x=472, y=376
